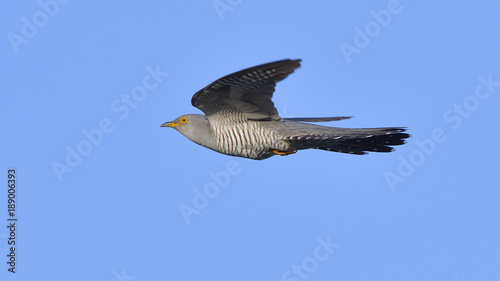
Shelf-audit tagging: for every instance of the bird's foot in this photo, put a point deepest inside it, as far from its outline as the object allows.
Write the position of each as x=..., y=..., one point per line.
x=283, y=152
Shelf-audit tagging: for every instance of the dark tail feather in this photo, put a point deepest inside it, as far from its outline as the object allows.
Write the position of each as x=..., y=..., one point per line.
x=361, y=141
x=353, y=141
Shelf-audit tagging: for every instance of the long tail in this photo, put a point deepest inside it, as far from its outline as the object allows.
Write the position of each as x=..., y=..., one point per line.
x=353, y=141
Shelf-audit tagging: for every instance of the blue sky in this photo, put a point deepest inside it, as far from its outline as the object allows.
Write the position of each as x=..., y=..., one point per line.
x=100, y=186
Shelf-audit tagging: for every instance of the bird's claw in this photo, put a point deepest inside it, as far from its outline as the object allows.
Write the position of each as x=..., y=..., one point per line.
x=283, y=152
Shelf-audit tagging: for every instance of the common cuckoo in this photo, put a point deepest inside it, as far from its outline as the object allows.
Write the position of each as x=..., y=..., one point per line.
x=241, y=120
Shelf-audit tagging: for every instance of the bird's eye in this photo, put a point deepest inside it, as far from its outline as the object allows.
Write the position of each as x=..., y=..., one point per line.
x=183, y=120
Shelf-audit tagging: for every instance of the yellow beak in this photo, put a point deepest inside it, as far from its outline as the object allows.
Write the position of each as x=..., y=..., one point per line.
x=170, y=124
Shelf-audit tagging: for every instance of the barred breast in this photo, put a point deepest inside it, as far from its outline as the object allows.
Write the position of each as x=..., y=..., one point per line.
x=247, y=139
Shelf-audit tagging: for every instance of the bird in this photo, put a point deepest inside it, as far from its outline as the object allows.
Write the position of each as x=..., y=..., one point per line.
x=240, y=120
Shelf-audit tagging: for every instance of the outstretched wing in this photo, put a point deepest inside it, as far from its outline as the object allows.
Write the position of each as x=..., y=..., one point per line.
x=248, y=92
x=317, y=119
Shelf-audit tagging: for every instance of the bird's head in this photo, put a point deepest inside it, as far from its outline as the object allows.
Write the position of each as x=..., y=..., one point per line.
x=193, y=126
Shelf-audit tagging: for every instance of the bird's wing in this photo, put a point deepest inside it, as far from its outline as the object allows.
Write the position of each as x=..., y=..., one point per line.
x=248, y=91
x=317, y=119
